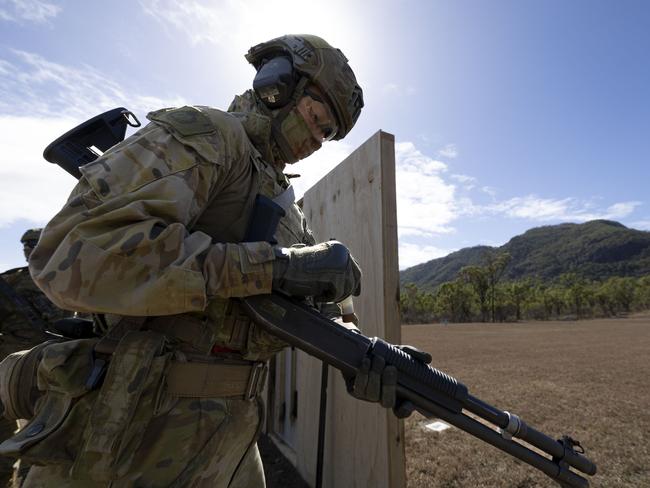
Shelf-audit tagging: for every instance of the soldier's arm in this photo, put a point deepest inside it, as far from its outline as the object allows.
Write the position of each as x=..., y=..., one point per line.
x=122, y=243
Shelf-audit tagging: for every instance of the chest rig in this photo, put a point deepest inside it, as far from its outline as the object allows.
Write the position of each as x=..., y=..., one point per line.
x=223, y=327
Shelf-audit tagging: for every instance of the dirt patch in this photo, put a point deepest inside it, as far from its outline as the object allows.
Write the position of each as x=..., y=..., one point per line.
x=588, y=379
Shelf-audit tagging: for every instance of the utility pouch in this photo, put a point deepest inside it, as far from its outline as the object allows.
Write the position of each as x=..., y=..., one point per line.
x=124, y=407
x=261, y=345
x=18, y=390
x=93, y=431
x=54, y=433
x=234, y=329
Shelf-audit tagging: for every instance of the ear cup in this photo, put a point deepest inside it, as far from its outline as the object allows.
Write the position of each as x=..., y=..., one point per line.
x=275, y=82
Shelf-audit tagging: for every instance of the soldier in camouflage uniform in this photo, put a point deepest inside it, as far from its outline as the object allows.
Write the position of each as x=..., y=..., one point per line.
x=151, y=239
x=24, y=309
x=18, y=331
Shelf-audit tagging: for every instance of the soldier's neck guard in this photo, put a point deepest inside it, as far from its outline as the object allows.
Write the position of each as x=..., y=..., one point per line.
x=258, y=126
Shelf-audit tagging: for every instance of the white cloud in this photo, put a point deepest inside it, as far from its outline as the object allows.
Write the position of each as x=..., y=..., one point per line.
x=36, y=11
x=621, y=210
x=531, y=207
x=412, y=254
x=31, y=84
x=425, y=201
x=534, y=208
x=200, y=22
x=641, y=224
x=428, y=205
x=490, y=191
x=31, y=188
x=232, y=22
x=463, y=178
x=468, y=182
x=449, y=151
x=411, y=159
x=56, y=97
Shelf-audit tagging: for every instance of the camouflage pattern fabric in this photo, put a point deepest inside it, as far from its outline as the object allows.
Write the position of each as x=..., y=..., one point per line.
x=131, y=432
x=18, y=334
x=154, y=229
x=126, y=224
x=190, y=443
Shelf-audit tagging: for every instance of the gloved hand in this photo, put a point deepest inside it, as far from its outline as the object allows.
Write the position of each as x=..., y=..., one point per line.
x=326, y=271
x=376, y=382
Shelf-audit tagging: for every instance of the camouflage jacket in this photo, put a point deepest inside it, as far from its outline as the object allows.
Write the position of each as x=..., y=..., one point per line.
x=154, y=226
x=15, y=326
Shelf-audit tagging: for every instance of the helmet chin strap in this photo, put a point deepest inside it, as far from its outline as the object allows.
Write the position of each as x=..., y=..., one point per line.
x=278, y=116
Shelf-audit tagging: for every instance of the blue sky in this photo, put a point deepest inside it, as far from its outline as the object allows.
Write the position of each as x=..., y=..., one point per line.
x=507, y=114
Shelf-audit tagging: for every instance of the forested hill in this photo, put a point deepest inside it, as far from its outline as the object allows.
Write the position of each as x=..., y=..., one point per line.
x=594, y=250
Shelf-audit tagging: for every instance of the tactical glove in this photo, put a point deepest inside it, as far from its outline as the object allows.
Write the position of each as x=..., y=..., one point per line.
x=376, y=382
x=326, y=271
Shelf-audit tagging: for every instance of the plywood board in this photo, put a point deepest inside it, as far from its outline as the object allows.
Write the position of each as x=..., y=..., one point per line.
x=355, y=203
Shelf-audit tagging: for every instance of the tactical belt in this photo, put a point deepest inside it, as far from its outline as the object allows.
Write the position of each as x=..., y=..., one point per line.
x=206, y=380
x=215, y=380
x=194, y=379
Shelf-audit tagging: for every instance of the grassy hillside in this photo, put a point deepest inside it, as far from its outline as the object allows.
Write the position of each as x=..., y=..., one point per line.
x=594, y=250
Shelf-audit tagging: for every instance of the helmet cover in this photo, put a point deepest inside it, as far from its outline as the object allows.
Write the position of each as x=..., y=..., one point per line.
x=323, y=65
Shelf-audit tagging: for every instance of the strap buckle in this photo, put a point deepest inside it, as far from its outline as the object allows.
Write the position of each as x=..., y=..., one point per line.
x=255, y=381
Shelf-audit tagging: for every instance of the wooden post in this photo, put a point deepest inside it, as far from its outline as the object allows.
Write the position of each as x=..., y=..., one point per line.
x=355, y=203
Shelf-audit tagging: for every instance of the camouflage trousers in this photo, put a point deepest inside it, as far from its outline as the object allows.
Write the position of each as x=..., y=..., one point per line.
x=192, y=443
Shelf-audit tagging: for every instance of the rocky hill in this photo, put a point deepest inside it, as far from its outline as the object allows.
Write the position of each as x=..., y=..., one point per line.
x=595, y=250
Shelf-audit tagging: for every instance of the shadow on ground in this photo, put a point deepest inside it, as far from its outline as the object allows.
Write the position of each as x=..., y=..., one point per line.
x=279, y=472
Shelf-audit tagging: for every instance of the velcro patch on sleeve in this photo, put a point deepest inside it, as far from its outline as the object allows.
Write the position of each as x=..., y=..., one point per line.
x=187, y=121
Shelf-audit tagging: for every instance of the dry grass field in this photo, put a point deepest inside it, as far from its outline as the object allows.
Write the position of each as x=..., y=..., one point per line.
x=588, y=379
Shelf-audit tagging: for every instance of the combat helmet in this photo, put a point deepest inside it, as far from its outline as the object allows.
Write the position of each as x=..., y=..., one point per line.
x=31, y=235
x=310, y=59
x=29, y=240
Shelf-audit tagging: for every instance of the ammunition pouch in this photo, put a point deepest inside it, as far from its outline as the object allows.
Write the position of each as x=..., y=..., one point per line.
x=53, y=433
x=94, y=431
x=18, y=390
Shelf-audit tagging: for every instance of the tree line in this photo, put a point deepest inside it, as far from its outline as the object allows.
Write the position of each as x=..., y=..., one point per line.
x=479, y=294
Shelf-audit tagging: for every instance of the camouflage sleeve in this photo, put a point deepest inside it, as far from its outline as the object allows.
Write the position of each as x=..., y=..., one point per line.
x=121, y=243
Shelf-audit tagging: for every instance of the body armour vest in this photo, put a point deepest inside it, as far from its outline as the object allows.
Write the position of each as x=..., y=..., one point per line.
x=225, y=218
